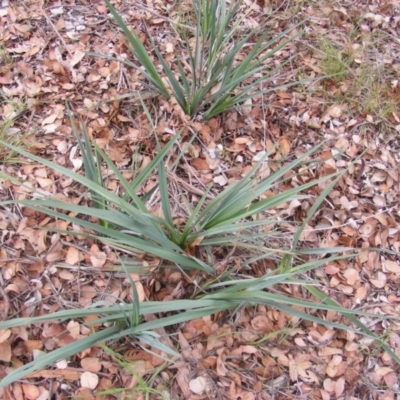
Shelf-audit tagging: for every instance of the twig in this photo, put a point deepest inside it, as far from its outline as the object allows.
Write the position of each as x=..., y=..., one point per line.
x=6, y=299
x=189, y=187
x=143, y=7
x=56, y=31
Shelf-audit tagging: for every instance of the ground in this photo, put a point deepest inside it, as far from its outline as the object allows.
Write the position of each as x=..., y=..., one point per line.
x=255, y=352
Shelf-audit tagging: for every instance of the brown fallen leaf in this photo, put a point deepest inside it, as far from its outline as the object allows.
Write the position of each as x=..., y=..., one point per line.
x=391, y=379
x=31, y=392
x=4, y=334
x=351, y=276
x=361, y=293
x=329, y=385
x=391, y=266
x=246, y=395
x=5, y=351
x=73, y=256
x=334, y=111
x=339, y=387
x=199, y=164
x=98, y=259
x=89, y=380
x=74, y=328
x=199, y=385
x=139, y=286
x=284, y=147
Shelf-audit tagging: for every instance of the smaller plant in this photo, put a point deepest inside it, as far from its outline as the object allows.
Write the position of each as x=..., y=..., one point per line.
x=5, y=56
x=368, y=87
x=143, y=386
x=376, y=94
x=216, y=80
x=10, y=135
x=5, y=152
x=334, y=62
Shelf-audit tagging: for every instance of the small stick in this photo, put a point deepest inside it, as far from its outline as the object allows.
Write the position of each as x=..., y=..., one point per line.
x=6, y=300
x=56, y=31
x=189, y=187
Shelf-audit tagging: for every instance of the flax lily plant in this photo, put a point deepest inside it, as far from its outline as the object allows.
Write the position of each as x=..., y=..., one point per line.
x=114, y=322
x=235, y=217
x=220, y=72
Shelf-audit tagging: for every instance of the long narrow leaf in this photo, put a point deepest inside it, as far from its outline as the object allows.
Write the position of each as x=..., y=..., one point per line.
x=171, y=253
x=349, y=315
x=140, y=52
x=60, y=354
